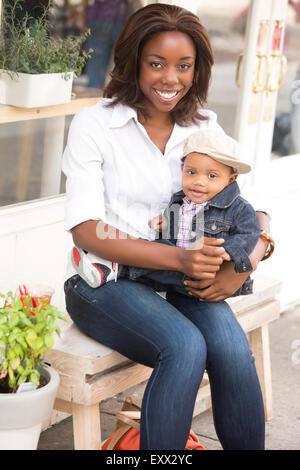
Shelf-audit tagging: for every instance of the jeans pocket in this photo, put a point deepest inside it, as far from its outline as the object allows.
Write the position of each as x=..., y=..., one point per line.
x=69, y=283
x=82, y=289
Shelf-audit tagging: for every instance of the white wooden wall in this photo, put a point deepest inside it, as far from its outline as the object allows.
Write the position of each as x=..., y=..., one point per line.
x=34, y=245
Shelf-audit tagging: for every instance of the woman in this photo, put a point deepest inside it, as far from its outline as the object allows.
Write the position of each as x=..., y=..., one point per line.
x=122, y=163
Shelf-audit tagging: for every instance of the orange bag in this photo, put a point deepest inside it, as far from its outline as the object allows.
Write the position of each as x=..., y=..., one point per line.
x=127, y=434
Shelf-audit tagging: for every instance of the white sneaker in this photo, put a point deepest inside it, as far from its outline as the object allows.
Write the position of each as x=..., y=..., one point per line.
x=94, y=274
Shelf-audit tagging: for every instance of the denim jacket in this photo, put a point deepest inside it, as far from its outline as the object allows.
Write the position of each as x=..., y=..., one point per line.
x=228, y=216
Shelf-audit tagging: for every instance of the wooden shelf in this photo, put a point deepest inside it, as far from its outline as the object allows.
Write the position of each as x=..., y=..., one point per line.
x=13, y=114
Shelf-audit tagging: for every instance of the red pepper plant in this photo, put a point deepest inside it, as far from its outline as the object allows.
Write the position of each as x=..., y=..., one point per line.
x=27, y=328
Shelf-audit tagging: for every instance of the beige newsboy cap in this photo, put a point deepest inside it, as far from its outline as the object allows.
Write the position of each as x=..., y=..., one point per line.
x=217, y=145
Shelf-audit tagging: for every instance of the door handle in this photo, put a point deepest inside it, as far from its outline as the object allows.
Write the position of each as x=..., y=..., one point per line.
x=258, y=86
x=271, y=61
x=238, y=66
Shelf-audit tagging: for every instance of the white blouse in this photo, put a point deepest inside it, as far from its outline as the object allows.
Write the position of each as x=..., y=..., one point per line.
x=116, y=173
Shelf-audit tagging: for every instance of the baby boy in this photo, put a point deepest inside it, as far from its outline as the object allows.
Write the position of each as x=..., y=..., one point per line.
x=209, y=204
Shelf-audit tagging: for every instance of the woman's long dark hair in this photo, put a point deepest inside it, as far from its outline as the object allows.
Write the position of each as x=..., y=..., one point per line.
x=139, y=28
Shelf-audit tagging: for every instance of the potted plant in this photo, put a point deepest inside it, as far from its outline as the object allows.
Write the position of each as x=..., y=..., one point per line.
x=27, y=386
x=35, y=68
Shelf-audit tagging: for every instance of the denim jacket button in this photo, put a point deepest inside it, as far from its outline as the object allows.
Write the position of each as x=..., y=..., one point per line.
x=213, y=227
x=244, y=268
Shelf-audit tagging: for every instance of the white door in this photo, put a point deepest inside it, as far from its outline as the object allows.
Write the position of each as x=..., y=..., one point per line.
x=261, y=73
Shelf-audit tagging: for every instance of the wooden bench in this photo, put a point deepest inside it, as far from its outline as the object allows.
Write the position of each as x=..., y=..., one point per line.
x=91, y=372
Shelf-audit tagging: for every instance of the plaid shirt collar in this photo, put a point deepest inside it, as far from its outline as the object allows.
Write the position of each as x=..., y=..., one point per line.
x=187, y=212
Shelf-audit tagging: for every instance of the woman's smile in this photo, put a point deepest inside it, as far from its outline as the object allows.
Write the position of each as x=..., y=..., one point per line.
x=167, y=96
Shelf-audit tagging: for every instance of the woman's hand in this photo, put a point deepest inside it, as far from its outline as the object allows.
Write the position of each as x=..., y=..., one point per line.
x=203, y=259
x=225, y=283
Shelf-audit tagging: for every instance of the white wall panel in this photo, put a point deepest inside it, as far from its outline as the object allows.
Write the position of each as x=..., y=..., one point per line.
x=36, y=248
x=284, y=263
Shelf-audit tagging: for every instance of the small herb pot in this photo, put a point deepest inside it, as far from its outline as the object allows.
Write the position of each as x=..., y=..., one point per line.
x=26, y=90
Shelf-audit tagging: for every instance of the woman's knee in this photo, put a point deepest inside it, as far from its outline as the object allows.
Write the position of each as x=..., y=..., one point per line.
x=230, y=353
x=225, y=339
x=186, y=347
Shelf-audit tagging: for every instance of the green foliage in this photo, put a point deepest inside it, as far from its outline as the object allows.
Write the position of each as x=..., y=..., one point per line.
x=27, y=329
x=26, y=45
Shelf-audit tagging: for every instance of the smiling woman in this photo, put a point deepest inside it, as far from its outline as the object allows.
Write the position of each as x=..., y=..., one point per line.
x=159, y=38
x=123, y=163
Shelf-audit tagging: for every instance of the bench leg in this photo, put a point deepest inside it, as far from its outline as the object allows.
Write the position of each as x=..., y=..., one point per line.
x=260, y=347
x=86, y=427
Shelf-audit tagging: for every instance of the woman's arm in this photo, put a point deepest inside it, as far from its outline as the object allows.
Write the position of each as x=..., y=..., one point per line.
x=260, y=249
x=109, y=243
x=227, y=281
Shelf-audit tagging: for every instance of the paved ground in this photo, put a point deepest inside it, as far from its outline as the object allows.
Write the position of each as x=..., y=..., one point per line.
x=282, y=432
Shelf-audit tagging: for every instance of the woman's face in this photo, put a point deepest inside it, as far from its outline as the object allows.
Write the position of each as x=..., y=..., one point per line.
x=166, y=70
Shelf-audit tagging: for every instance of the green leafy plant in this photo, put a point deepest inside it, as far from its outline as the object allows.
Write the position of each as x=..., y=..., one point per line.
x=27, y=328
x=26, y=44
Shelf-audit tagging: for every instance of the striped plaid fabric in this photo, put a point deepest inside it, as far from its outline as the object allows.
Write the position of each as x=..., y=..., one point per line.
x=187, y=211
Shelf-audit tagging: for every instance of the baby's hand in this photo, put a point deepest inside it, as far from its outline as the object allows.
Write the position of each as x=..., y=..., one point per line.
x=226, y=256
x=198, y=244
x=158, y=223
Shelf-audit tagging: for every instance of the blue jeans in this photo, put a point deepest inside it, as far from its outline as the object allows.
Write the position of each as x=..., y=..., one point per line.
x=102, y=39
x=179, y=338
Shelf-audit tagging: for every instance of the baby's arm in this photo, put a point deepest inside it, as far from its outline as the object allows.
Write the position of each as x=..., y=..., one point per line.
x=243, y=236
x=158, y=223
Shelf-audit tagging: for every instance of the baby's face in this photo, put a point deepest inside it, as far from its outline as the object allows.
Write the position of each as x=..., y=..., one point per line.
x=203, y=177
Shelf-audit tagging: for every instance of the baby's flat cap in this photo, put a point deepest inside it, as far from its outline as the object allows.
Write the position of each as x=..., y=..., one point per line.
x=217, y=145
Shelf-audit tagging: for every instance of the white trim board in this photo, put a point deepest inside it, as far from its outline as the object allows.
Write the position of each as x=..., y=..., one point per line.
x=34, y=245
x=280, y=177
x=33, y=214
